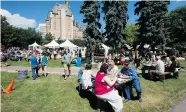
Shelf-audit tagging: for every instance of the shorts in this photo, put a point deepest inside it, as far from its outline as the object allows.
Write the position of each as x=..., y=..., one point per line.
x=67, y=66
x=44, y=67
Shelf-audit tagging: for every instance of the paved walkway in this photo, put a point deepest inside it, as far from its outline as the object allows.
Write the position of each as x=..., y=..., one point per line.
x=181, y=107
x=59, y=71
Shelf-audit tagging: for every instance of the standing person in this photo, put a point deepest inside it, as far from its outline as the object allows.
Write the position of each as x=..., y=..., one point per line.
x=67, y=59
x=44, y=62
x=55, y=54
x=34, y=66
x=137, y=58
x=129, y=72
x=104, y=89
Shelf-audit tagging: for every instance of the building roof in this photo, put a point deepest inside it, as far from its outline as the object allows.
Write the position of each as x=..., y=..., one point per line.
x=62, y=6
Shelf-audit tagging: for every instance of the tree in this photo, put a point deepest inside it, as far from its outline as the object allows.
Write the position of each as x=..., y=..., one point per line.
x=79, y=42
x=131, y=32
x=18, y=37
x=115, y=16
x=151, y=22
x=177, y=27
x=48, y=38
x=92, y=35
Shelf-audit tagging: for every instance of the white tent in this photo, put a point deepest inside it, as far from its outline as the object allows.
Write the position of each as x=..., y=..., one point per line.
x=104, y=46
x=34, y=45
x=52, y=44
x=106, y=49
x=69, y=44
x=146, y=46
x=128, y=47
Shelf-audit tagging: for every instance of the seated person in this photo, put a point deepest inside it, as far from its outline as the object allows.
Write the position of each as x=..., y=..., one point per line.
x=173, y=67
x=160, y=68
x=129, y=72
x=168, y=63
x=112, y=70
x=85, y=77
x=104, y=89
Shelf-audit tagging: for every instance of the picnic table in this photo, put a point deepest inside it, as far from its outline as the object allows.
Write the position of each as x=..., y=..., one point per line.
x=147, y=67
x=119, y=85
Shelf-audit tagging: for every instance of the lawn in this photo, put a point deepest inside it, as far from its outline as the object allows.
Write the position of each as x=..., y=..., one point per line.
x=53, y=94
x=51, y=63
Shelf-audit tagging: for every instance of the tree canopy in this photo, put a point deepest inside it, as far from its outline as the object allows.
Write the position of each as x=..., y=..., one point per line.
x=92, y=36
x=18, y=37
x=177, y=27
x=152, y=29
x=115, y=16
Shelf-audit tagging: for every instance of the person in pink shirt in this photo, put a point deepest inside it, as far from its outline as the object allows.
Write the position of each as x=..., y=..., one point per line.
x=104, y=89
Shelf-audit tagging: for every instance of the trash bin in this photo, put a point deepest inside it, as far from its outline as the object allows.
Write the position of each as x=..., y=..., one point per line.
x=22, y=74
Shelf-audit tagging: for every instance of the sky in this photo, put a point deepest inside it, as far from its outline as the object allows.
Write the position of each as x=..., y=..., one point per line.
x=26, y=14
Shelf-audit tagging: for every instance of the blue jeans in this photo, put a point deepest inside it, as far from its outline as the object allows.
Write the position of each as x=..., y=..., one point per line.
x=34, y=73
x=128, y=87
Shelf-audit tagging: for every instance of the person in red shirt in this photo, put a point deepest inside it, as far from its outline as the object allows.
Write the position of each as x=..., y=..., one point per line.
x=104, y=89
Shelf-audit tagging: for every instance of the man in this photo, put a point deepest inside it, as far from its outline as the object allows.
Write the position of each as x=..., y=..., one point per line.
x=129, y=72
x=67, y=59
x=34, y=66
x=112, y=70
x=160, y=68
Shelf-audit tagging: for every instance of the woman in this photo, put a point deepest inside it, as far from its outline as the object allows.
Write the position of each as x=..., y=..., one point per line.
x=44, y=62
x=104, y=89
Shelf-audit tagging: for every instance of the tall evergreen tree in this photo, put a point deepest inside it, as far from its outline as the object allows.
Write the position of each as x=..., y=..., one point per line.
x=177, y=26
x=92, y=35
x=152, y=29
x=115, y=19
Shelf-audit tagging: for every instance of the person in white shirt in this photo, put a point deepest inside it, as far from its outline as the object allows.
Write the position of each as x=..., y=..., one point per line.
x=112, y=70
x=160, y=68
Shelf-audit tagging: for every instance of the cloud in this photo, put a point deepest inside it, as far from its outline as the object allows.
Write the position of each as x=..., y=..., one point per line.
x=17, y=20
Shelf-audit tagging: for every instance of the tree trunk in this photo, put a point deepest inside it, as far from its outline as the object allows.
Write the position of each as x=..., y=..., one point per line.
x=92, y=57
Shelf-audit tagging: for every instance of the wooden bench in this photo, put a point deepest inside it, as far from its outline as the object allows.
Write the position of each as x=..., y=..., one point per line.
x=99, y=102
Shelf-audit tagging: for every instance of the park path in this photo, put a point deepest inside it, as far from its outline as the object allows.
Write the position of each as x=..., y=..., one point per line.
x=181, y=107
x=60, y=71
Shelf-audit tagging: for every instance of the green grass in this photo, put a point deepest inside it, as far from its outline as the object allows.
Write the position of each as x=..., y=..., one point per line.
x=183, y=63
x=51, y=63
x=53, y=94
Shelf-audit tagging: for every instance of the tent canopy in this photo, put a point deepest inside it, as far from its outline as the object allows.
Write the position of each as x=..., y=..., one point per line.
x=104, y=46
x=53, y=43
x=69, y=44
x=34, y=45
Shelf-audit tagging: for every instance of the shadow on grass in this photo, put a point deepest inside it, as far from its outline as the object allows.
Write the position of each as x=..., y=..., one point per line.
x=105, y=106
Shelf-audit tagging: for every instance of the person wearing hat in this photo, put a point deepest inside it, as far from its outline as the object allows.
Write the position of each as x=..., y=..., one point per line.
x=129, y=72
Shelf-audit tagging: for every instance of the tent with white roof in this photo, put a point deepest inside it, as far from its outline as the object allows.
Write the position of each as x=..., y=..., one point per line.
x=34, y=45
x=69, y=44
x=52, y=44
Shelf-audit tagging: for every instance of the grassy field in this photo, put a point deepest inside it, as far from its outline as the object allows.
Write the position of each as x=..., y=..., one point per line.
x=51, y=63
x=53, y=94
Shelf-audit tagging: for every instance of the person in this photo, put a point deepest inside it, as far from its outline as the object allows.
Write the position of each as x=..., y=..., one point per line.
x=137, y=58
x=129, y=72
x=112, y=70
x=55, y=54
x=104, y=89
x=173, y=67
x=44, y=62
x=160, y=68
x=78, y=61
x=34, y=66
x=67, y=59
x=86, y=77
